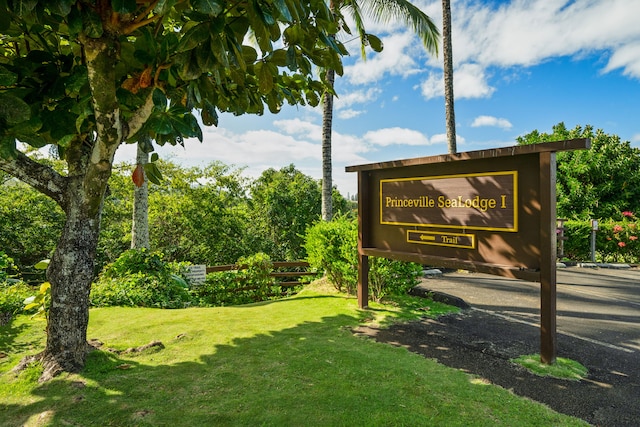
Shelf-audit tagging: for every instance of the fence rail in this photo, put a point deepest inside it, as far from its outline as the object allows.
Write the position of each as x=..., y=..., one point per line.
x=287, y=273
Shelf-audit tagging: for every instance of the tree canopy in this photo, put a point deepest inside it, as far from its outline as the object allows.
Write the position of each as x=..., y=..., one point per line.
x=597, y=183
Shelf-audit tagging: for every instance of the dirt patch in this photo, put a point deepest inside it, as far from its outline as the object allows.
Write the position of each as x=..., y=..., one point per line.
x=483, y=344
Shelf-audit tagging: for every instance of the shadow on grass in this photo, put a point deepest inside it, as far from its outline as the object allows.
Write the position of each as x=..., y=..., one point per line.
x=314, y=373
x=270, y=378
x=9, y=334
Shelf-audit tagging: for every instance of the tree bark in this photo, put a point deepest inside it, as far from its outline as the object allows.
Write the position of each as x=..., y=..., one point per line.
x=140, y=225
x=327, y=168
x=70, y=273
x=447, y=53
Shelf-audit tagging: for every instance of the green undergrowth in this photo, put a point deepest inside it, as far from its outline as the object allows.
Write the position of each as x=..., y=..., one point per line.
x=288, y=362
x=562, y=368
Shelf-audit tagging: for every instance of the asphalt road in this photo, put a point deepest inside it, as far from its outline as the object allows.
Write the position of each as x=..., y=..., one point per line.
x=600, y=305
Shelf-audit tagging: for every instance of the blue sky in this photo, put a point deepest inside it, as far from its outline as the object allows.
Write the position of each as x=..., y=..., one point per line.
x=519, y=65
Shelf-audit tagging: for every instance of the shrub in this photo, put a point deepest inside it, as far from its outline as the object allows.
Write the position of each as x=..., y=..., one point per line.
x=616, y=240
x=388, y=277
x=12, y=296
x=578, y=243
x=7, y=267
x=332, y=248
x=139, y=278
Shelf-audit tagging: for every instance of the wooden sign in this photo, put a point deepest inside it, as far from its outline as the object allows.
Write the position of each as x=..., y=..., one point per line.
x=480, y=201
x=492, y=211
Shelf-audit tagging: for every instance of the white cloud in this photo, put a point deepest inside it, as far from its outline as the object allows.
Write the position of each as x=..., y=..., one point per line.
x=526, y=33
x=396, y=136
x=491, y=121
x=297, y=142
x=299, y=127
x=469, y=81
x=349, y=113
x=433, y=86
x=397, y=59
x=356, y=97
x=627, y=58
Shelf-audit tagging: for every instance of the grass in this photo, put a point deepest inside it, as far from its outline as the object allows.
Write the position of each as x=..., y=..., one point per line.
x=292, y=362
x=562, y=368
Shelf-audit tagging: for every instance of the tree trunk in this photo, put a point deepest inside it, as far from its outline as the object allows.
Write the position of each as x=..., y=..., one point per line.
x=447, y=53
x=140, y=226
x=327, y=168
x=71, y=269
x=70, y=273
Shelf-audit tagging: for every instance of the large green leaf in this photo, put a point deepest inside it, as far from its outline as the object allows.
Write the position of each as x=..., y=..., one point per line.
x=249, y=54
x=5, y=18
x=153, y=173
x=219, y=50
x=8, y=147
x=209, y=114
x=7, y=78
x=281, y=5
x=124, y=6
x=13, y=109
x=74, y=21
x=23, y=7
x=210, y=7
x=61, y=7
x=91, y=22
x=279, y=57
x=265, y=78
x=194, y=37
x=159, y=99
x=205, y=57
x=375, y=43
x=27, y=127
x=160, y=124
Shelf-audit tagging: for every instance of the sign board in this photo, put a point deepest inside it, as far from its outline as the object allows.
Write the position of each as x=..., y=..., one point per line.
x=491, y=211
x=452, y=201
x=197, y=274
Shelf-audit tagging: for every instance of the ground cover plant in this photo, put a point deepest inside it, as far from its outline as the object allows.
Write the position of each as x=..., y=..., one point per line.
x=562, y=368
x=288, y=362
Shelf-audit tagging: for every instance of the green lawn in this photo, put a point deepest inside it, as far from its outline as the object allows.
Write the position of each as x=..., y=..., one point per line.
x=292, y=362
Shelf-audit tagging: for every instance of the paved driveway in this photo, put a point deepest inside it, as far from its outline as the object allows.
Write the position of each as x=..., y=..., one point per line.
x=599, y=305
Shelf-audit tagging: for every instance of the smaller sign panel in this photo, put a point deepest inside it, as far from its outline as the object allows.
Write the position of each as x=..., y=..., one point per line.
x=453, y=240
x=478, y=201
x=197, y=274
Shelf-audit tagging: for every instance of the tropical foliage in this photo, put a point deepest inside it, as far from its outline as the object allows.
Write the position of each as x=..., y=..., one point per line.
x=332, y=248
x=204, y=215
x=598, y=183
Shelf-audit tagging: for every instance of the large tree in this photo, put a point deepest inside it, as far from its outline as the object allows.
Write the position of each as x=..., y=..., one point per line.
x=380, y=11
x=598, y=183
x=85, y=76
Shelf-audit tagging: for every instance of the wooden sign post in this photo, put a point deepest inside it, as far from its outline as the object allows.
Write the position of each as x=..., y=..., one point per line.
x=491, y=211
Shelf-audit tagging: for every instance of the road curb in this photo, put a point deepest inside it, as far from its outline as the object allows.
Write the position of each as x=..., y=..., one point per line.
x=438, y=296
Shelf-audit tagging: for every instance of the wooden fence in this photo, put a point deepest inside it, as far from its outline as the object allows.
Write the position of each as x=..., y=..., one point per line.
x=286, y=273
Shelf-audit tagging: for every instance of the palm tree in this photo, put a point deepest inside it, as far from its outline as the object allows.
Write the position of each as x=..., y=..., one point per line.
x=380, y=11
x=140, y=223
x=447, y=53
